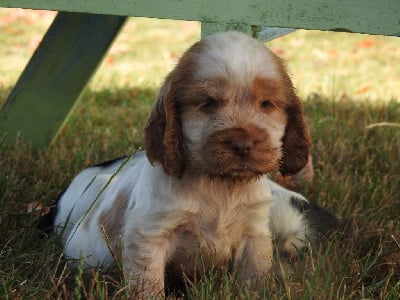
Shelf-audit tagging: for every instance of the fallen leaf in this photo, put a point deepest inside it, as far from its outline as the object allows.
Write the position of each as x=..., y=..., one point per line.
x=37, y=209
x=363, y=89
x=366, y=43
x=109, y=59
x=278, y=51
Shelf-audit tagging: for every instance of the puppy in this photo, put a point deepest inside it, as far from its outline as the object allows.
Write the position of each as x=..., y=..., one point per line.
x=199, y=197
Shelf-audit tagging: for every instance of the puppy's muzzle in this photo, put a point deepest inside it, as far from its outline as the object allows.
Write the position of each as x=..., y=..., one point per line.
x=241, y=143
x=241, y=147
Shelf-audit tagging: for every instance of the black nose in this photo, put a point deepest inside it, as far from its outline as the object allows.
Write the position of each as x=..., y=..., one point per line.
x=241, y=147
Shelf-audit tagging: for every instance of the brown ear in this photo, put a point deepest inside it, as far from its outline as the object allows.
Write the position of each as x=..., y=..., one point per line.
x=162, y=133
x=296, y=142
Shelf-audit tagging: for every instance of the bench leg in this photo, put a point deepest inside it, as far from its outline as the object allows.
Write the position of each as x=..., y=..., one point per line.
x=56, y=75
x=262, y=33
x=210, y=28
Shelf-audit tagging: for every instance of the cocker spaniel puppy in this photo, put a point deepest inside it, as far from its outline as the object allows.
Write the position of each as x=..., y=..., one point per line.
x=199, y=197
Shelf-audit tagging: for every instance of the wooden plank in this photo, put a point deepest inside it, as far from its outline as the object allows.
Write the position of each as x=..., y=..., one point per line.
x=270, y=33
x=375, y=17
x=261, y=33
x=56, y=76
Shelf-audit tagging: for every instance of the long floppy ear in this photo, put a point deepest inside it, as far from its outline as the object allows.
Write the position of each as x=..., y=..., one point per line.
x=296, y=141
x=162, y=133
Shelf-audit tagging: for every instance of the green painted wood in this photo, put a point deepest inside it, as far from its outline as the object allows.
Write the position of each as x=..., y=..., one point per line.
x=258, y=32
x=56, y=76
x=375, y=17
x=270, y=33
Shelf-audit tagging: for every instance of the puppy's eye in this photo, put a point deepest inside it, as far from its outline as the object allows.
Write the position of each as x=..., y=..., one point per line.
x=209, y=104
x=266, y=104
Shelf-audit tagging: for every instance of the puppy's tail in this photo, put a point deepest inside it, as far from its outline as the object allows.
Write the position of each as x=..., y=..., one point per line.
x=319, y=219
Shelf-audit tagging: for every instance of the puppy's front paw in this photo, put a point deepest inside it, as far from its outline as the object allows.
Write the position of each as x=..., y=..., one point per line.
x=145, y=287
x=254, y=261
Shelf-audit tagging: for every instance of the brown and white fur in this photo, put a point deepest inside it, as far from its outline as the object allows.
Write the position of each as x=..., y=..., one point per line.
x=199, y=197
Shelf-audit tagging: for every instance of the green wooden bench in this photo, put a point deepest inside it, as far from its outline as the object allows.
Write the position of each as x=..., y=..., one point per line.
x=83, y=31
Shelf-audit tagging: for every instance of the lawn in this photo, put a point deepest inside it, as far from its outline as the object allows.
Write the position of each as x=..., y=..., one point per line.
x=350, y=87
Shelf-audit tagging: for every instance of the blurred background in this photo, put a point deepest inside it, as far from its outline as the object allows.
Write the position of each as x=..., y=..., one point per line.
x=332, y=64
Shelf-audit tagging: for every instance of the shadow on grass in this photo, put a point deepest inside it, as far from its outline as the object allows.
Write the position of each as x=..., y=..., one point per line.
x=357, y=177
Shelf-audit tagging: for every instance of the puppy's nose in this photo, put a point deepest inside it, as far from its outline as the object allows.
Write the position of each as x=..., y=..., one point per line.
x=241, y=147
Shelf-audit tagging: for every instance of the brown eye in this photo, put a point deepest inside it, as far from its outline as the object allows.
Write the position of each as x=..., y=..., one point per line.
x=266, y=104
x=209, y=104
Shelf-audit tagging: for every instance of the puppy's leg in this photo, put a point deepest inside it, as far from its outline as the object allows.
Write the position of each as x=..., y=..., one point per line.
x=253, y=258
x=144, y=266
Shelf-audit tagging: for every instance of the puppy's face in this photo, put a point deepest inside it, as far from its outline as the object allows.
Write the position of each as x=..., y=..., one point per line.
x=227, y=110
x=233, y=128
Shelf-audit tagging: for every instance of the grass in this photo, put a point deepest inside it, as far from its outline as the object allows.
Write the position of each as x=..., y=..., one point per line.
x=348, y=82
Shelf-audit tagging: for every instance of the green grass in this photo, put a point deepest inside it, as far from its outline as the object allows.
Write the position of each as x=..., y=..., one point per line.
x=348, y=82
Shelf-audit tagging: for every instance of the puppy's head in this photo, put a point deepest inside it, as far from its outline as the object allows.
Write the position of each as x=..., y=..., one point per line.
x=227, y=110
